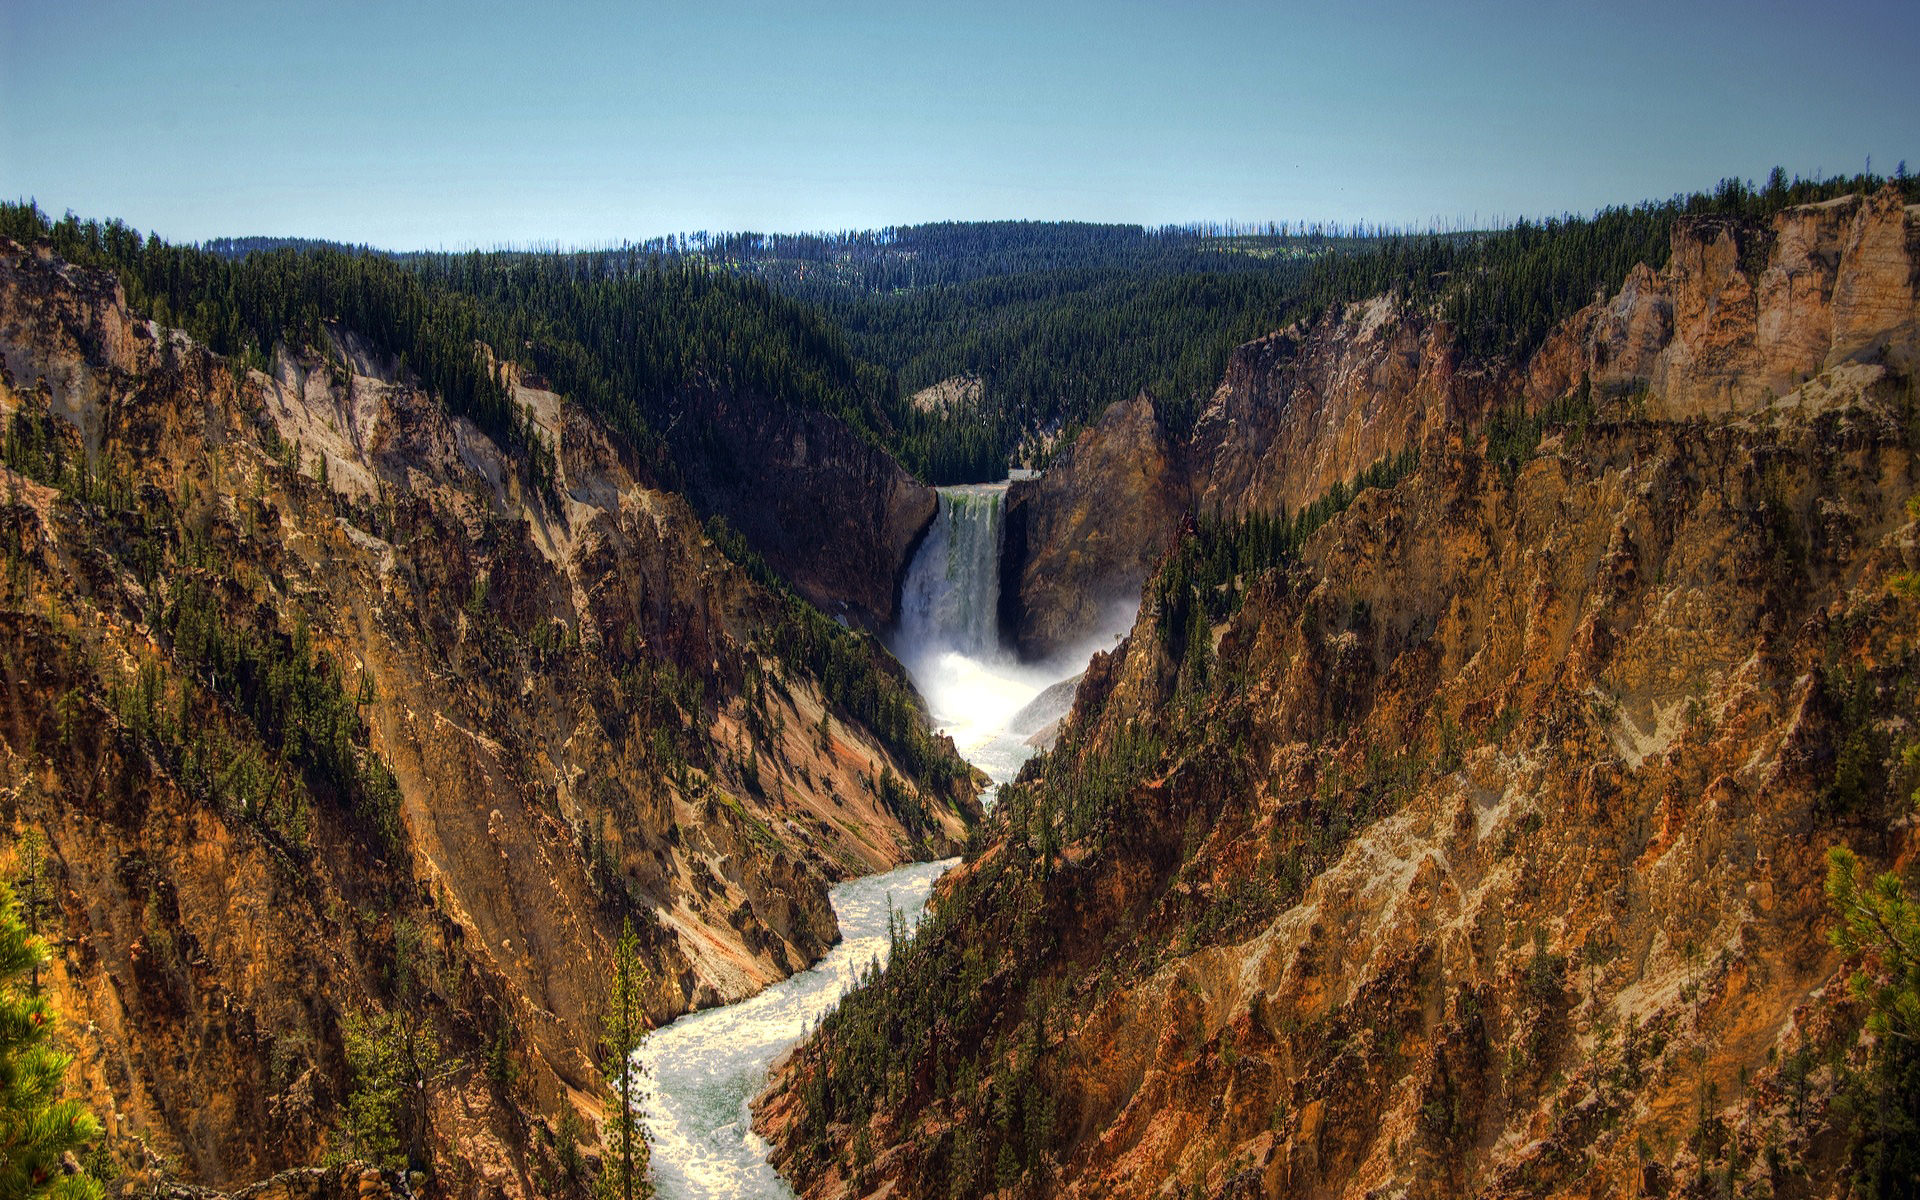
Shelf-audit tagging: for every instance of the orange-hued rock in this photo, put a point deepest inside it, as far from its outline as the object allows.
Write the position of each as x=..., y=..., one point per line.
x=1757, y=312
x=1082, y=538
x=1484, y=853
x=1306, y=408
x=1499, y=837
x=578, y=696
x=1315, y=404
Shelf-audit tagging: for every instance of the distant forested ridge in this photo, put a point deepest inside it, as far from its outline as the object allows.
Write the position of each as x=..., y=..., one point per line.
x=1057, y=320
x=941, y=254
x=240, y=247
x=1049, y=322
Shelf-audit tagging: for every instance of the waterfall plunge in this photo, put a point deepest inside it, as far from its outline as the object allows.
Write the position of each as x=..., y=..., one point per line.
x=949, y=634
x=951, y=598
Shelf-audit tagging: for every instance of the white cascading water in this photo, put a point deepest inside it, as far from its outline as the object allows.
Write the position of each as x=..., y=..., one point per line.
x=951, y=598
x=702, y=1070
x=976, y=689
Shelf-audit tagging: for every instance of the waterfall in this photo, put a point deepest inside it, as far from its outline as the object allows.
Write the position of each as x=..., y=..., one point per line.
x=949, y=633
x=950, y=602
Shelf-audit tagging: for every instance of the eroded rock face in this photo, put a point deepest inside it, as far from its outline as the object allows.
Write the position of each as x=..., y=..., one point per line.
x=1501, y=830
x=577, y=697
x=1305, y=408
x=1082, y=538
x=830, y=511
x=1740, y=317
x=1296, y=412
x=1484, y=853
x=1833, y=290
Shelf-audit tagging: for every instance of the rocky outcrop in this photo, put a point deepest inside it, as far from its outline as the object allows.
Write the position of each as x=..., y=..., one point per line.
x=1082, y=538
x=1296, y=412
x=1308, y=407
x=1837, y=284
x=958, y=392
x=831, y=511
x=324, y=713
x=1742, y=315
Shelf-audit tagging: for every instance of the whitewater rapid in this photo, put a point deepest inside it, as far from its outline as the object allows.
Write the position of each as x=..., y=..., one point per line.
x=704, y=1069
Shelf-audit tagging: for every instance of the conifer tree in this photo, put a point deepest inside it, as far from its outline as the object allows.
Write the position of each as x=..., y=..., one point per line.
x=624, y=1031
x=33, y=869
x=1880, y=929
x=37, y=1129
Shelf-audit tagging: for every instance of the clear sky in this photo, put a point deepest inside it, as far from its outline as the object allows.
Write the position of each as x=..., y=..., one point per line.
x=416, y=124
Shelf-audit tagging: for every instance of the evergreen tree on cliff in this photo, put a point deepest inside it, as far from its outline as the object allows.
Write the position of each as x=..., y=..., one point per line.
x=37, y=1129
x=627, y=1174
x=1880, y=930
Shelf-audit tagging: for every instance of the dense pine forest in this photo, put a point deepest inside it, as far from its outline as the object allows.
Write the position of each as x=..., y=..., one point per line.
x=1058, y=320
x=1051, y=321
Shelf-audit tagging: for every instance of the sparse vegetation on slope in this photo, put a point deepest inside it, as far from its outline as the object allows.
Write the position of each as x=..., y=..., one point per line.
x=360, y=755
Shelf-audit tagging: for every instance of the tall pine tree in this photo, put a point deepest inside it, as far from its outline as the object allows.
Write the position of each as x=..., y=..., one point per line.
x=37, y=1128
x=627, y=1175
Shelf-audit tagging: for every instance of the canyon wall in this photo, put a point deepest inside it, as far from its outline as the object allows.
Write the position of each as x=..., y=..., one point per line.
x=1085, y=535
x=327, y=714
x=1479, y=847
x=1305, y=408
x=831, y=511
x=1739, y=317
x=1744, y=315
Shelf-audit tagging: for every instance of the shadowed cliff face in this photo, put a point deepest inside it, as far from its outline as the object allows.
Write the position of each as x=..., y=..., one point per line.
x=1479, y=849
x=1086, y=534
x=322, y=713
x=830, y=511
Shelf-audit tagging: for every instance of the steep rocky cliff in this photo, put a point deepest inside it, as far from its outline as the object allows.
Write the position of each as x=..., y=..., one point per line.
x=1473, y=844
x=1306, y=408
x=829, y=510
x=328, y=713
x=1296, y=412
x=1742, y=314
x=1083, y=537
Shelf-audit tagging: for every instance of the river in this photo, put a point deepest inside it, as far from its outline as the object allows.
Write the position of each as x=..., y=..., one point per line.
x=703, y=1069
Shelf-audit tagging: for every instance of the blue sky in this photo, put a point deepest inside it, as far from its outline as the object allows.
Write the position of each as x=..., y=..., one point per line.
x=440, y=124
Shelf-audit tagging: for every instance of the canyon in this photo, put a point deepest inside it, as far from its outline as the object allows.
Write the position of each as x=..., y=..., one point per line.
x=325, y=711
x=1478, y=846
x=1408, y=772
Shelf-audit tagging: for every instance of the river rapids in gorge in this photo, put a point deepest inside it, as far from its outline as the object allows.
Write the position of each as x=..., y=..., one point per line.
x=702, y=1071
